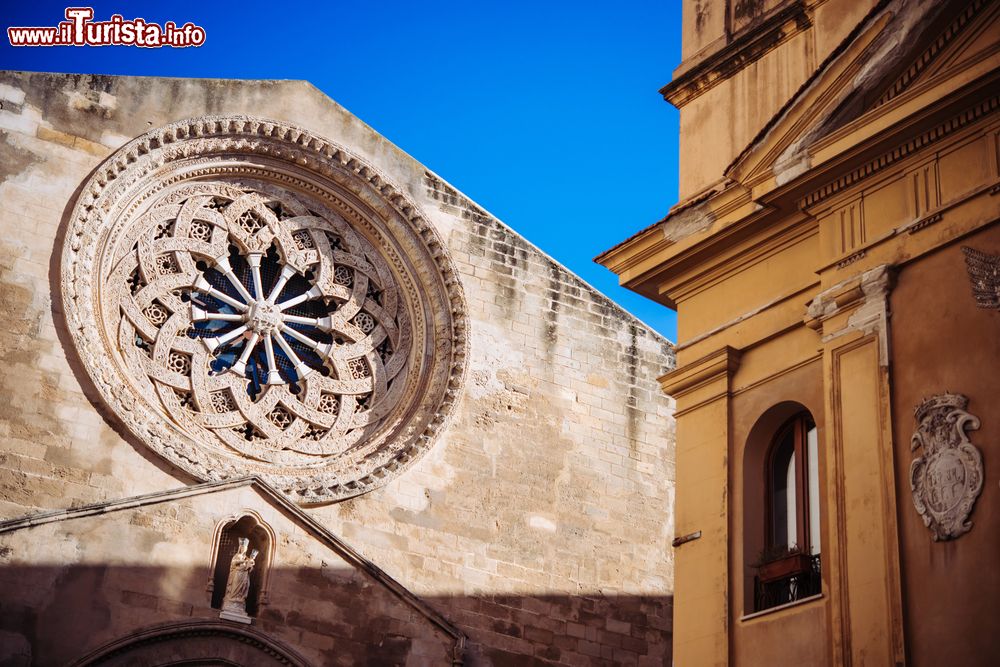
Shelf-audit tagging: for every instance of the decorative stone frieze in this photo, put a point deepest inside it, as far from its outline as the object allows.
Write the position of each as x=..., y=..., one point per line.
x=210, y=643
x=251, y=299
x=948, y=478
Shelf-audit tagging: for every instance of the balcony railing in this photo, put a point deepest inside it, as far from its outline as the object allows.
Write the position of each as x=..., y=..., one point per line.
x=786, y=580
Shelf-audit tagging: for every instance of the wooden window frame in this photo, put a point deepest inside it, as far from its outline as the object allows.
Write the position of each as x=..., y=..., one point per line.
x=800, y=425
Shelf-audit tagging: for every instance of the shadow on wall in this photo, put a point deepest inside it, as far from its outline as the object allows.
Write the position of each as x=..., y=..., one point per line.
x=127, y=615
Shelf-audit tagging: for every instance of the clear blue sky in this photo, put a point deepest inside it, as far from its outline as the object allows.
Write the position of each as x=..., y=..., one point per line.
x=545, y=113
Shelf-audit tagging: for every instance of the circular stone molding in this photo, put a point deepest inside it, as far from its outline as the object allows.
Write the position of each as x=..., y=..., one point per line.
x=251, y=299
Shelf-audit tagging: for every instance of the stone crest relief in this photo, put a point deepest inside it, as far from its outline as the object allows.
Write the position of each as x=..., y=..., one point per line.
x=948, y=478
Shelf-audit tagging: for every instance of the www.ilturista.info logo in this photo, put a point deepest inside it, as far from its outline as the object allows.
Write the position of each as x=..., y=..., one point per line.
x=80, y=30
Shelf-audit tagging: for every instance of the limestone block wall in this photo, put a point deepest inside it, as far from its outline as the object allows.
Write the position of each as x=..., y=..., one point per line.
x=541, y=520
x=74, y=586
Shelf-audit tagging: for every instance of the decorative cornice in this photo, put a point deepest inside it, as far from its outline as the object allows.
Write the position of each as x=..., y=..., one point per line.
x=752, y=45
x=901, y=151
x=911, y=74
x=925, y=222
x=870, y=22
x=850, y=259
x=721, y=363
x=716, y=257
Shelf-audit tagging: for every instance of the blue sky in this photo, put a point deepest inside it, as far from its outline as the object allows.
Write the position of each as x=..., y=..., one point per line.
x=545, y=113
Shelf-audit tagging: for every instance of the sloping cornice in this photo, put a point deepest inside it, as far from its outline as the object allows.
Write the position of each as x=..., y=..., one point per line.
x=277, y=500
x=810, y=88
x=937, y=47
x=877, y=62
x=694, y=374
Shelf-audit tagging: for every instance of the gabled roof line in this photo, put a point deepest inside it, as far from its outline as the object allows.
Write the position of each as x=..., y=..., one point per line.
x=708, y=192
x=53, y=516
x=319, y=531
x=690, y=202
x=581, y=283
x=823, y=66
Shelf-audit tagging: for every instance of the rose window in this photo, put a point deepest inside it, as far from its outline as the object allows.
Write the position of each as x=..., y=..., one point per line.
x=265, y=322
x=275, y=327
x=297, y=324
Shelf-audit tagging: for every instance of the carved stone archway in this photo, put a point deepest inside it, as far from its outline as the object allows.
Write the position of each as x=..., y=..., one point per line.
x=194, y=644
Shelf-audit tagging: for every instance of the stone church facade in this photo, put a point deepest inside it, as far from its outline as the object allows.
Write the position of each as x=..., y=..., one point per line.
x=274, y=393
x=834, y=261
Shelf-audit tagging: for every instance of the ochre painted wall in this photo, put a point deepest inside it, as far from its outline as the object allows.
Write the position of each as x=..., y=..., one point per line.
x=824, y=270
x=942, y=342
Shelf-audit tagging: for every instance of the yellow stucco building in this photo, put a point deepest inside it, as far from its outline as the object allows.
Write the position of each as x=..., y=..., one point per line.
x=834, y=260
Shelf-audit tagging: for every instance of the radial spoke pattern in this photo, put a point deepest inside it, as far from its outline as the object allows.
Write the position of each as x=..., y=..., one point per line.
x=277, y=329
x=262, y=322
x=251, y=298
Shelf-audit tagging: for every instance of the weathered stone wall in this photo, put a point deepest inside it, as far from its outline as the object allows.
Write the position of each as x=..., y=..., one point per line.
x=74, y=586
x=539, y=523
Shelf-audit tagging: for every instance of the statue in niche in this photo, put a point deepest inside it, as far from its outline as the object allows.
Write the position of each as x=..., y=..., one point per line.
x=241, y=560
x=234, y=604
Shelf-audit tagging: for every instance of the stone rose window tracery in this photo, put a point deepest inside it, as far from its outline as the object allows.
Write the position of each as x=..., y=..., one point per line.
x=298, y=317
x=260, y=318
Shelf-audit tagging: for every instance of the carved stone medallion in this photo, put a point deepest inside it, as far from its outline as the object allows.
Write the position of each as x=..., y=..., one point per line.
x=948, y=478
x=252, y=299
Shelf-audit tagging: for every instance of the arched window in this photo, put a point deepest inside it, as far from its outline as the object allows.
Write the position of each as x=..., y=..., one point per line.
x=793, y=487
x=788, y=567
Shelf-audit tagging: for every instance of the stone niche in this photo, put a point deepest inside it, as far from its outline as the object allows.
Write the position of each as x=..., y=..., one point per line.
x=261, y=539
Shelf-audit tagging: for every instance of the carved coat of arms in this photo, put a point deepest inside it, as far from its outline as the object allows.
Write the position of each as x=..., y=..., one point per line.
x=948, y=478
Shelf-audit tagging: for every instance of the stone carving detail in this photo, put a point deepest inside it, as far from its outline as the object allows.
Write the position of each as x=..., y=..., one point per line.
x=866, y=295
x=984, y=273
x=240, y=588
x=281, y=338
x=948, y=478
x=252, y=299
x=234, y=604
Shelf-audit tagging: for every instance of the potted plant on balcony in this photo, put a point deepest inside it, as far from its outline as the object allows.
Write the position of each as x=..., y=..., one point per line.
x=781, y=562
